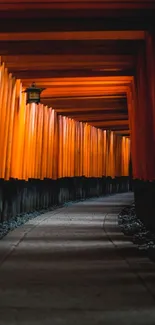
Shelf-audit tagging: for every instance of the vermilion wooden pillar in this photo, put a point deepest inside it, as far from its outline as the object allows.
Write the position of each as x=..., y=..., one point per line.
x=150, y=53
x=141, y=122
x=132, y=125
x=144, y=123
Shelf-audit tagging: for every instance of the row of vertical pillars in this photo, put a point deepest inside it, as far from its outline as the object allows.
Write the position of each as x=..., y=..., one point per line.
x=20, y=197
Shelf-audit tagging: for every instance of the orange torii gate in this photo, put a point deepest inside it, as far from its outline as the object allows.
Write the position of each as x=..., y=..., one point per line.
x=38, y=143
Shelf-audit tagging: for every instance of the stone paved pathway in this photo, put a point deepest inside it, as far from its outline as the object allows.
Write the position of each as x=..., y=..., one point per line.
x=73, y=266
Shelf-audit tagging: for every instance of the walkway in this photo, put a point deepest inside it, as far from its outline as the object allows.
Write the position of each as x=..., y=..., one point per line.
x=74, y=267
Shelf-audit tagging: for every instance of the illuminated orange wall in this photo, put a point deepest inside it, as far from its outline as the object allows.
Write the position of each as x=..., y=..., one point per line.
x=35, y=142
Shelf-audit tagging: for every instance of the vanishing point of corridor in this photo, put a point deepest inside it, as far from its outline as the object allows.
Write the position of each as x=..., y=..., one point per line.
x=74, y=266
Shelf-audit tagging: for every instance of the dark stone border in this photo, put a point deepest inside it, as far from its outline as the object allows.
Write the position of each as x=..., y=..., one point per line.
x=136, y=230
x=21, y=200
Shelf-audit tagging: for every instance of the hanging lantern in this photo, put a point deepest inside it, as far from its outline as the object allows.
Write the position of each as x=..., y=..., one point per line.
x=33, y=94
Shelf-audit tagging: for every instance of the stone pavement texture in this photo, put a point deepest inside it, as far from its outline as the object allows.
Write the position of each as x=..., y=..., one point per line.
x=73, y=266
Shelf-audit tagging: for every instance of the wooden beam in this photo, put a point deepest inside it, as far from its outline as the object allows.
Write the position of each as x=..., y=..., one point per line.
x=74, y=5
x=75, y=20
x=99, y=117
x=114, y=128
x=110, y=101
x=110, y=124
x=78, y=81
x=86, y=103
x=83, y=91
x=73, y=36
x=68, y=47
x=31, y=75
x=58, y=62
x=86, y=110
x=78, y=100
x=126, y=132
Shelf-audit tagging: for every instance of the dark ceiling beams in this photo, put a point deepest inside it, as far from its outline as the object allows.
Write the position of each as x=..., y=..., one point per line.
x=71, y=5
x=83, y=52
x=68, y=47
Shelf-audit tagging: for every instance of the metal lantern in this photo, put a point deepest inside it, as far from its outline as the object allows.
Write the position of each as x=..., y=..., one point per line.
x=33, y=94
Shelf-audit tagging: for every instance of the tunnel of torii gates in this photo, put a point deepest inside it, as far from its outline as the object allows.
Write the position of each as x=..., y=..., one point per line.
x=65, y=149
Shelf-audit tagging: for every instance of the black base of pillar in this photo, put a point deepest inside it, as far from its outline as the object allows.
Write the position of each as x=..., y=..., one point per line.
x=20, y=197
x=145, y=202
